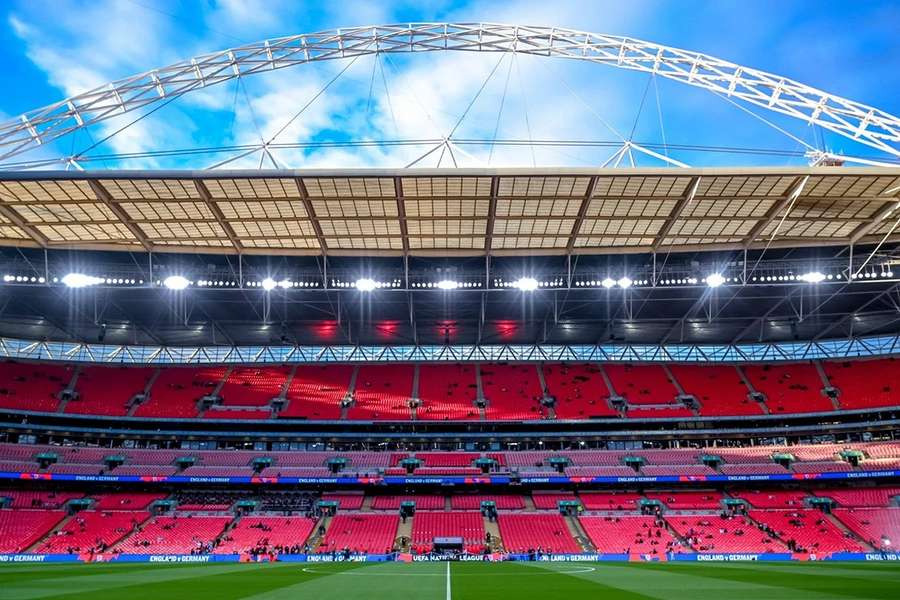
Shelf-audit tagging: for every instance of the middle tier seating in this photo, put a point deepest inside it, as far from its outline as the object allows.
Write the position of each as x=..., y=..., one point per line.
x=683, y=500
x=423, y=502
x=473, y=502
x=550, y=500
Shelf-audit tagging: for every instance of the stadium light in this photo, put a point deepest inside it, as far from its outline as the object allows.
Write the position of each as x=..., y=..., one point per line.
x=526, y=284
x=714, y=280
x=365, y=285
x=447, y=284
x=608, y=283
x=268, y=284
x=813, y=277
x=625, y=283
x=80, y=280
x=176, y=282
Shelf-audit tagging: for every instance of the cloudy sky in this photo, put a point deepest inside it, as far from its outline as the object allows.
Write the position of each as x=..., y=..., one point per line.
x=57, y=48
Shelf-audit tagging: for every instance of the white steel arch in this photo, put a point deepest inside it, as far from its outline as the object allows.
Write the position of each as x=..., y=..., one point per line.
x=853, y=120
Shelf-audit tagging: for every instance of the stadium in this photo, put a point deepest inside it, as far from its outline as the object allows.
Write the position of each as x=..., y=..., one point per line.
x=228, y=375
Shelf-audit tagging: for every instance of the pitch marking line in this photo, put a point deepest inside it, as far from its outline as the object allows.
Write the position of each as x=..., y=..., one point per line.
x=362, y=572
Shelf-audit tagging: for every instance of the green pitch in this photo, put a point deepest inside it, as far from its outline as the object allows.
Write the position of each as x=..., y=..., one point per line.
x=458, y=581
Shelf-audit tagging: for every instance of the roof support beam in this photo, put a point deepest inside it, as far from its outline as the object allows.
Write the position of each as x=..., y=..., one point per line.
x=582, y=211
x=823, y=332
x=401, y=214
x=107, y=199
x=217, y=213
x=786, y=201
x=673, y=217
x=877, y=219
x=757, y=322
x=16, y=219
x=311, y=213
x=492, y=213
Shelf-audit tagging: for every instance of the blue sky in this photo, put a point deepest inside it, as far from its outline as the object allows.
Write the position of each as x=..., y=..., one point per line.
x=56, y=48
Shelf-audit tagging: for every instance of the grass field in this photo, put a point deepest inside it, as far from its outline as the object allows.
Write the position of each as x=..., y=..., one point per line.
x=457, y=581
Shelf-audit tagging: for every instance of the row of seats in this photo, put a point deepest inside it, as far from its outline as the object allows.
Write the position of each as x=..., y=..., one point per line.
x=448, y=392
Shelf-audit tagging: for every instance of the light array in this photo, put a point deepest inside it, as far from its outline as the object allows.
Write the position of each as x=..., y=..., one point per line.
x=268, y=284
x=529, y=284
x=446, y=284
x=366, y=284
x=22, y=279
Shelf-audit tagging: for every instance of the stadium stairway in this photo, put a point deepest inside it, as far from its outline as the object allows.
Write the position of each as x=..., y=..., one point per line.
x=820, y=369
x=351, y=390
x=215, y=391
x=314, y=539
x=493, y=528
x=551, y=411
x=404, y=534
x=135, y=405
x=51, y=532
x=529, y=503
x=61, y=408
x=762, y=405
x=850, y=533
x=283, y=394
x=579, y=534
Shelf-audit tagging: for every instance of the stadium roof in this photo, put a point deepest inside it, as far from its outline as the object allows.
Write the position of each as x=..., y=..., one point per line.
x=449, y=212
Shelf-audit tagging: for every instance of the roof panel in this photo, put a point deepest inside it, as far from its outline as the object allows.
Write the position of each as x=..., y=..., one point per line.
x=446, y=207
x=428, y=187
x=350, y=187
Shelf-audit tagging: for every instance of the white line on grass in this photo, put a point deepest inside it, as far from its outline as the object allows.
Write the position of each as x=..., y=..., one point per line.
x=448, y=581
x=368, y=573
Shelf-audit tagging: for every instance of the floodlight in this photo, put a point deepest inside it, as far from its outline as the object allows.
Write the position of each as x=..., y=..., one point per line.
x=268, y=284
x=526, y=284
x=608, y=283
x=714, y=280
x=80, y=280
x=447, y=284
x=176, y=282
x=365, y=285
x=625, y=283
x=813, y=277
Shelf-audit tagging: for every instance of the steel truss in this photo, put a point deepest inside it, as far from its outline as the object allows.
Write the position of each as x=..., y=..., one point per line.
x=270, y=354
x=853, y=120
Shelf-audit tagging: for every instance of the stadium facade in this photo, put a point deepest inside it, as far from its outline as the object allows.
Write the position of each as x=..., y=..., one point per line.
x=415, y=364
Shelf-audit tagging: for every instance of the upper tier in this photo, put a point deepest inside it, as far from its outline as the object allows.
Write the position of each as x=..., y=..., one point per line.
x=449, y=392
